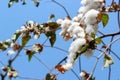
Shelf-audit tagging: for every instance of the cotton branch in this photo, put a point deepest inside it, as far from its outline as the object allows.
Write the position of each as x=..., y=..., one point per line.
x=99, y=56
x=108, y=35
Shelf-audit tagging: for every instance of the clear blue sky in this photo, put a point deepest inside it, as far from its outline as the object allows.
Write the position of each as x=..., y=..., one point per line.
x=13, y=18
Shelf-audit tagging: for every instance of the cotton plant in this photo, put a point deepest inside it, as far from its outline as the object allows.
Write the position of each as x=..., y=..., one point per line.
x=81, y=28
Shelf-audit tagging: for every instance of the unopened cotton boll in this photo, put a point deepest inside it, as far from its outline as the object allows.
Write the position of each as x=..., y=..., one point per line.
x=90, y=17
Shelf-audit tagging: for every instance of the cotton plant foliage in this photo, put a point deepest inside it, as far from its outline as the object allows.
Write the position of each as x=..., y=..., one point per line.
x=80, y=29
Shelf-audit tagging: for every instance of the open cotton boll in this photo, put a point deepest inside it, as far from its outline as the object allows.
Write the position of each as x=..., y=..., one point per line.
x=83, y=10
x=59, y=21
x=78, y=32
x=76, y=19
x=72, y=26
x=91, y=29
x=77, y=44
x=68, y=66
x=90, y=16
x=86, y=2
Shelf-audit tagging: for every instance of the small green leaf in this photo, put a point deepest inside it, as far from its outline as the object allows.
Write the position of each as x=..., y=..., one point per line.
x=30, y=57
x=51, y=16
x=82, y=50
x=25, y=40
x=52, y=37
x=98, y=40
x=48, y=77
x=107, y=60
x=93, y=35
x=105, y=19
x=30, y=54
x=15, y=36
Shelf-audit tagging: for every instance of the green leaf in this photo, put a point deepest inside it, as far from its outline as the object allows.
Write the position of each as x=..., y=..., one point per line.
x=52, y=37
x=30, y=57
x=98, y=40
x=105, y=19
x=15, y=36
x=82, y=50
x=53, y=25
x=48, y=77
x=30, y=54
x=25, y=40
x=107, y=60
x=51, y=16
x=93, y=35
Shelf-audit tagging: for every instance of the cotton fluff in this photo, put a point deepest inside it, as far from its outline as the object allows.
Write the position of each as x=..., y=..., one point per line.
x=75, y=46
x=78, y=32
x=83, y=10
x=91, y=29
x=68, y=66
x=59, y=21
x=65, y=25
x=90, y=16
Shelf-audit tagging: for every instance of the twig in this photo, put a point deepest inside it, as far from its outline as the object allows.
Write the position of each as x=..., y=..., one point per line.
x=108, y=35
x=56, y=48
x=75, y=74
x=28, y=78
x=62, y=7
x=102, y=53
x=41, y=62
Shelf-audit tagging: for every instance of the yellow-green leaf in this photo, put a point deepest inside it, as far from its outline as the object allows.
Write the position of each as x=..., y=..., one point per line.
x=105, y=19
x=25, y=40
x=98, y=40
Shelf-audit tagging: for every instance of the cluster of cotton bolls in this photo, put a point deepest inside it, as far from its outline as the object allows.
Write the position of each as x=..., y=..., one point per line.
x=80, y=28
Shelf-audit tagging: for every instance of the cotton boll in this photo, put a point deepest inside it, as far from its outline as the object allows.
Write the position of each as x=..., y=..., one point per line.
x=68, y=66
x=76, y=19
x=89, y=53
x=65, y=25
x=96, y=4
x=72, y=26
x=83, y=10
x=78, y=32
x=91, y=29
x=90, y=16
x=30, y=23
x=59, y=21
x=77, y=44
x=85, y=2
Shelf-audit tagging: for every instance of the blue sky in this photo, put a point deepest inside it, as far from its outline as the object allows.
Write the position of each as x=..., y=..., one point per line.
x=13, y=18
